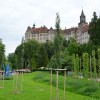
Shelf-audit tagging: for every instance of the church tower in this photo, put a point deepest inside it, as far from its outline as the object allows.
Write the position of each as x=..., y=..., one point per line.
x=82, y=18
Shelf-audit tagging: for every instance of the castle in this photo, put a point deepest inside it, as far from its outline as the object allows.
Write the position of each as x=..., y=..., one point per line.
x=42, y=34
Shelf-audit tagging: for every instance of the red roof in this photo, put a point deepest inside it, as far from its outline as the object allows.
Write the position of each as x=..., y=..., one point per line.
x=39, y=30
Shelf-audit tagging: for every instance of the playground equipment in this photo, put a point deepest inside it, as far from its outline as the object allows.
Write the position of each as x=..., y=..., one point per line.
x=57, y=96
x=17, y=81
x=1, y=79
x=7, y=72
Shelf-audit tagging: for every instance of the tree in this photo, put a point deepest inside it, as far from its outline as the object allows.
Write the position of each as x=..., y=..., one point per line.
x=75, y=61
x=49, y=46
x=31, y=53
x=43, y=57
x=18, y=54
x=99, y=61
x=85, y=58
x=2, y=54
x=12, y=60
x=58, y=41
x=73, y=46
x=94, y=63
x=94, y=29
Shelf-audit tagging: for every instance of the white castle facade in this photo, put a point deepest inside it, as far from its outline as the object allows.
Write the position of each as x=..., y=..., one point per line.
x=42, y=34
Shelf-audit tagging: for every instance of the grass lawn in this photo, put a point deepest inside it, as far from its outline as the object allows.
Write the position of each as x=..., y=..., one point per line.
x=34, y=90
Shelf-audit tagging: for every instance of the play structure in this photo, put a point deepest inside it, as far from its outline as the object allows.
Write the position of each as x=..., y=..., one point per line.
x=7, y=72
x=4, y=74
x=57, y=92
x=17, y=81
x=16, y=75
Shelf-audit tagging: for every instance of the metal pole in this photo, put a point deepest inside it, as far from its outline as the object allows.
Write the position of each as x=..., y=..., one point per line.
x=51, y=85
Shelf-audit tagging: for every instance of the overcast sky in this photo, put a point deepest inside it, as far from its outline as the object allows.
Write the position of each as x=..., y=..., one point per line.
x=16, y=15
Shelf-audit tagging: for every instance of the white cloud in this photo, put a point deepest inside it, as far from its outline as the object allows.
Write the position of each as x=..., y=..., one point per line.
x=16, y=15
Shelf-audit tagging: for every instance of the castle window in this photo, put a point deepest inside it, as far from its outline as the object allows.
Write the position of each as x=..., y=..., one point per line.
x=40, y=34
x=34, y=35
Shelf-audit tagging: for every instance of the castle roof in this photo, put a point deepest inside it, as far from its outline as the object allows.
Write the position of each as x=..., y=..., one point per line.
x=67, y=31
x=38, y=30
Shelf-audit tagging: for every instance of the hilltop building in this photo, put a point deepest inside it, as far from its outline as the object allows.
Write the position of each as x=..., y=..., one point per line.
x=42, y=34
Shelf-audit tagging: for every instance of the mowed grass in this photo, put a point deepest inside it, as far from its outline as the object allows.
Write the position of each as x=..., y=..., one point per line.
x=34, y=90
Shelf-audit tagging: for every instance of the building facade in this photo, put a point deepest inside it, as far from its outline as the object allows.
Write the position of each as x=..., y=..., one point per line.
x=42, y=34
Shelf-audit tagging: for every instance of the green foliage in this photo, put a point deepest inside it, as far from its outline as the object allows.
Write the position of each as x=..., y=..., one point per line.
x=99, y=61
x=65, y=60
x=31, y=51
x=73, y=46
x=94, y=29
x=12, y=60
x=75, y=61
x=85, y=58
x=2, y=54
x=78, y=86
x=18, y=57
x=58, y=41
x=33, y=64
x=53, y=62
x=49, y=46
x=43, y=57
x=94, y=64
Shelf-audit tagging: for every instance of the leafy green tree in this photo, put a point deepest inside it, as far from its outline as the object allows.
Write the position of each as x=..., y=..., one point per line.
x=43, y=57
x=66, y=59
x=75, y=61
x=12, y=60
x=73, y=46
x=18, y=53
x=2, y=54
x=31, y=52
x=52, y=62
x=32, y=64
x=49, y=46
x=94, y=29
x=85, y=58
x=58, y=41
x=94, y=63
x=99, y=61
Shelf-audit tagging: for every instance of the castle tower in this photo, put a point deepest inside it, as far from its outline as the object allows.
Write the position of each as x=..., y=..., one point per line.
x=82, y=18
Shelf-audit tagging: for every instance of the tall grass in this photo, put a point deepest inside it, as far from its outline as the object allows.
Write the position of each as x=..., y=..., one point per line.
x=79, y=86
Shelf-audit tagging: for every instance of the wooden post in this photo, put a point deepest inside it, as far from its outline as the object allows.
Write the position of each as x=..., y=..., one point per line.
x=16, y=82
x=3, y=78
x=13, y=89
x=64, y=84
x=22, y=81
x=51, y=85
x=57, y=85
